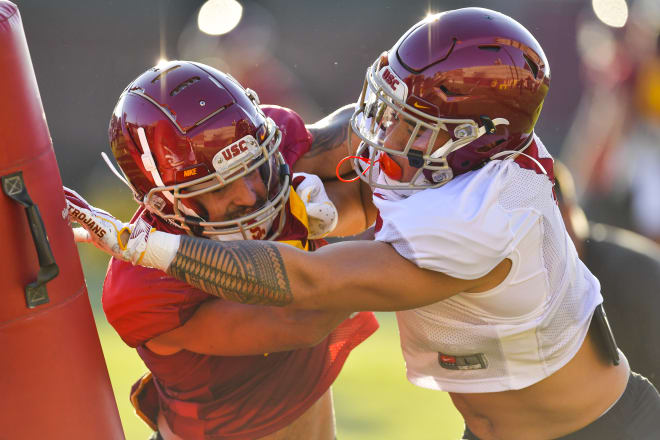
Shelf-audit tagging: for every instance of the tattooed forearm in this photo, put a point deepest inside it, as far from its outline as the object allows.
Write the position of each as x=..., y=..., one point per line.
x=244, y=271
x=330, y=132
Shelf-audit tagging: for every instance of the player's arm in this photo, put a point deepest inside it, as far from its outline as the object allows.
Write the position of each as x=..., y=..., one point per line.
x=225, y=328
x=363, y=275
x=330, y=145
x=357, y=275
x=354, y=205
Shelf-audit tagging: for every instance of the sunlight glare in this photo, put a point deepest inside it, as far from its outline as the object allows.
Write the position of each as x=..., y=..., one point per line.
x=613, y=13
x=217, y=17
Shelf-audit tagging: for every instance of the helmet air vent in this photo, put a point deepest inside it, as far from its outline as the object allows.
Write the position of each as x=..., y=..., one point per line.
x=165, y=72
x=490, y=48
x=449, y=93
x=178, y=89
x=532, y=65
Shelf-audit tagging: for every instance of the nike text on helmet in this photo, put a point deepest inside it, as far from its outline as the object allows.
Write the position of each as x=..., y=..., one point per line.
x=184, y=129
x=455, y=90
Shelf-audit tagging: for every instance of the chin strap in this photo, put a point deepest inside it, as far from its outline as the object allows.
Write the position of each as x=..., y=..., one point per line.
x=363, y=159
x=115, y=172
x=465, y=134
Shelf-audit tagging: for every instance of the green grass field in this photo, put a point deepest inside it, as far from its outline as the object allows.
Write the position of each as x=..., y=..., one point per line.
x=373, y=399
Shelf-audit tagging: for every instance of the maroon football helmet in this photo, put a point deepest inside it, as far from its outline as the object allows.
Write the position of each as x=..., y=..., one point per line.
x=183, y=129
x=457, y=88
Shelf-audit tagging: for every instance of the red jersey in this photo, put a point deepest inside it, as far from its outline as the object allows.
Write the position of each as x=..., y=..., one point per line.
x=228, y=397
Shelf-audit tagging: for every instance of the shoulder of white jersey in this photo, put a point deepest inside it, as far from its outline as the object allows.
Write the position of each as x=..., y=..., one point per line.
x=461, y=228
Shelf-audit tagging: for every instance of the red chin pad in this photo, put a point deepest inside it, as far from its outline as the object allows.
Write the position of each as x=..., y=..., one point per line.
x=390, y=167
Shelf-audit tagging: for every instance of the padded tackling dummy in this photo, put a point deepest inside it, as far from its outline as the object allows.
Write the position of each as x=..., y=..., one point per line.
x=54, y=383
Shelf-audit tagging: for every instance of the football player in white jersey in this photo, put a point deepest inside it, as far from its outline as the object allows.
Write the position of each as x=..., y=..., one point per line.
x=494, y=306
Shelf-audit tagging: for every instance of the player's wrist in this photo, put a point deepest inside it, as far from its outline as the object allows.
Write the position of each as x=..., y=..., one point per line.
x=160, y=251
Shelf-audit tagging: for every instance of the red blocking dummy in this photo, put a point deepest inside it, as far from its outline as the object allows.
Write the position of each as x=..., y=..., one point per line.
x=54, y=383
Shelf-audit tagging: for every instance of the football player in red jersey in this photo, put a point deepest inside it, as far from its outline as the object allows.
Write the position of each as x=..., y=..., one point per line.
x=494, y=305
x=203, y=158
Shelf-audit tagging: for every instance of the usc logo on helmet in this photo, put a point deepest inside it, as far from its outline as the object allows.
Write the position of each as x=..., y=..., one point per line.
x=236, y=152
x=390, y=79
x=393, y=83
x=235, y=149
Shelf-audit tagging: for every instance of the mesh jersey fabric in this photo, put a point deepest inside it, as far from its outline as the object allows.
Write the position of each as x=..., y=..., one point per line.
x=526, y=328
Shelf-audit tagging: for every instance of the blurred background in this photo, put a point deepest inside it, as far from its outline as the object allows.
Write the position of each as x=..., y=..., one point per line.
x=601, y=117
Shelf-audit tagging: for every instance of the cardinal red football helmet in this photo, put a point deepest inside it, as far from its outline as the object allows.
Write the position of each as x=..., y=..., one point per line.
x=183, y=126
x=457, y=88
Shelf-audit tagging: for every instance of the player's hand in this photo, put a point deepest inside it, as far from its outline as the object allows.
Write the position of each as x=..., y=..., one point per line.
x=321, y=212
x=125, y=241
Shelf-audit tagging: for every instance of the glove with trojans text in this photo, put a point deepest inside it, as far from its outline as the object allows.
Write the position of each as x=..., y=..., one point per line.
x=137, y=243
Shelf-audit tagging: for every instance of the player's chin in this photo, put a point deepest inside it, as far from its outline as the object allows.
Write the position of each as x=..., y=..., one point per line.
x=243, y=212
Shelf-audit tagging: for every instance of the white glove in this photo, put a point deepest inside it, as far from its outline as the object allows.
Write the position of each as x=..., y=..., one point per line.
x=321, y=212
x=137, y=243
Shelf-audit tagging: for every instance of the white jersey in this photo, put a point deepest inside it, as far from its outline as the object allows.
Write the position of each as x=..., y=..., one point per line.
x=523, y=330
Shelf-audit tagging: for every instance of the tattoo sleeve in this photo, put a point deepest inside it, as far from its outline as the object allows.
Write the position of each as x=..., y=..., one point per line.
x=330, y=132
x=248, y=272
